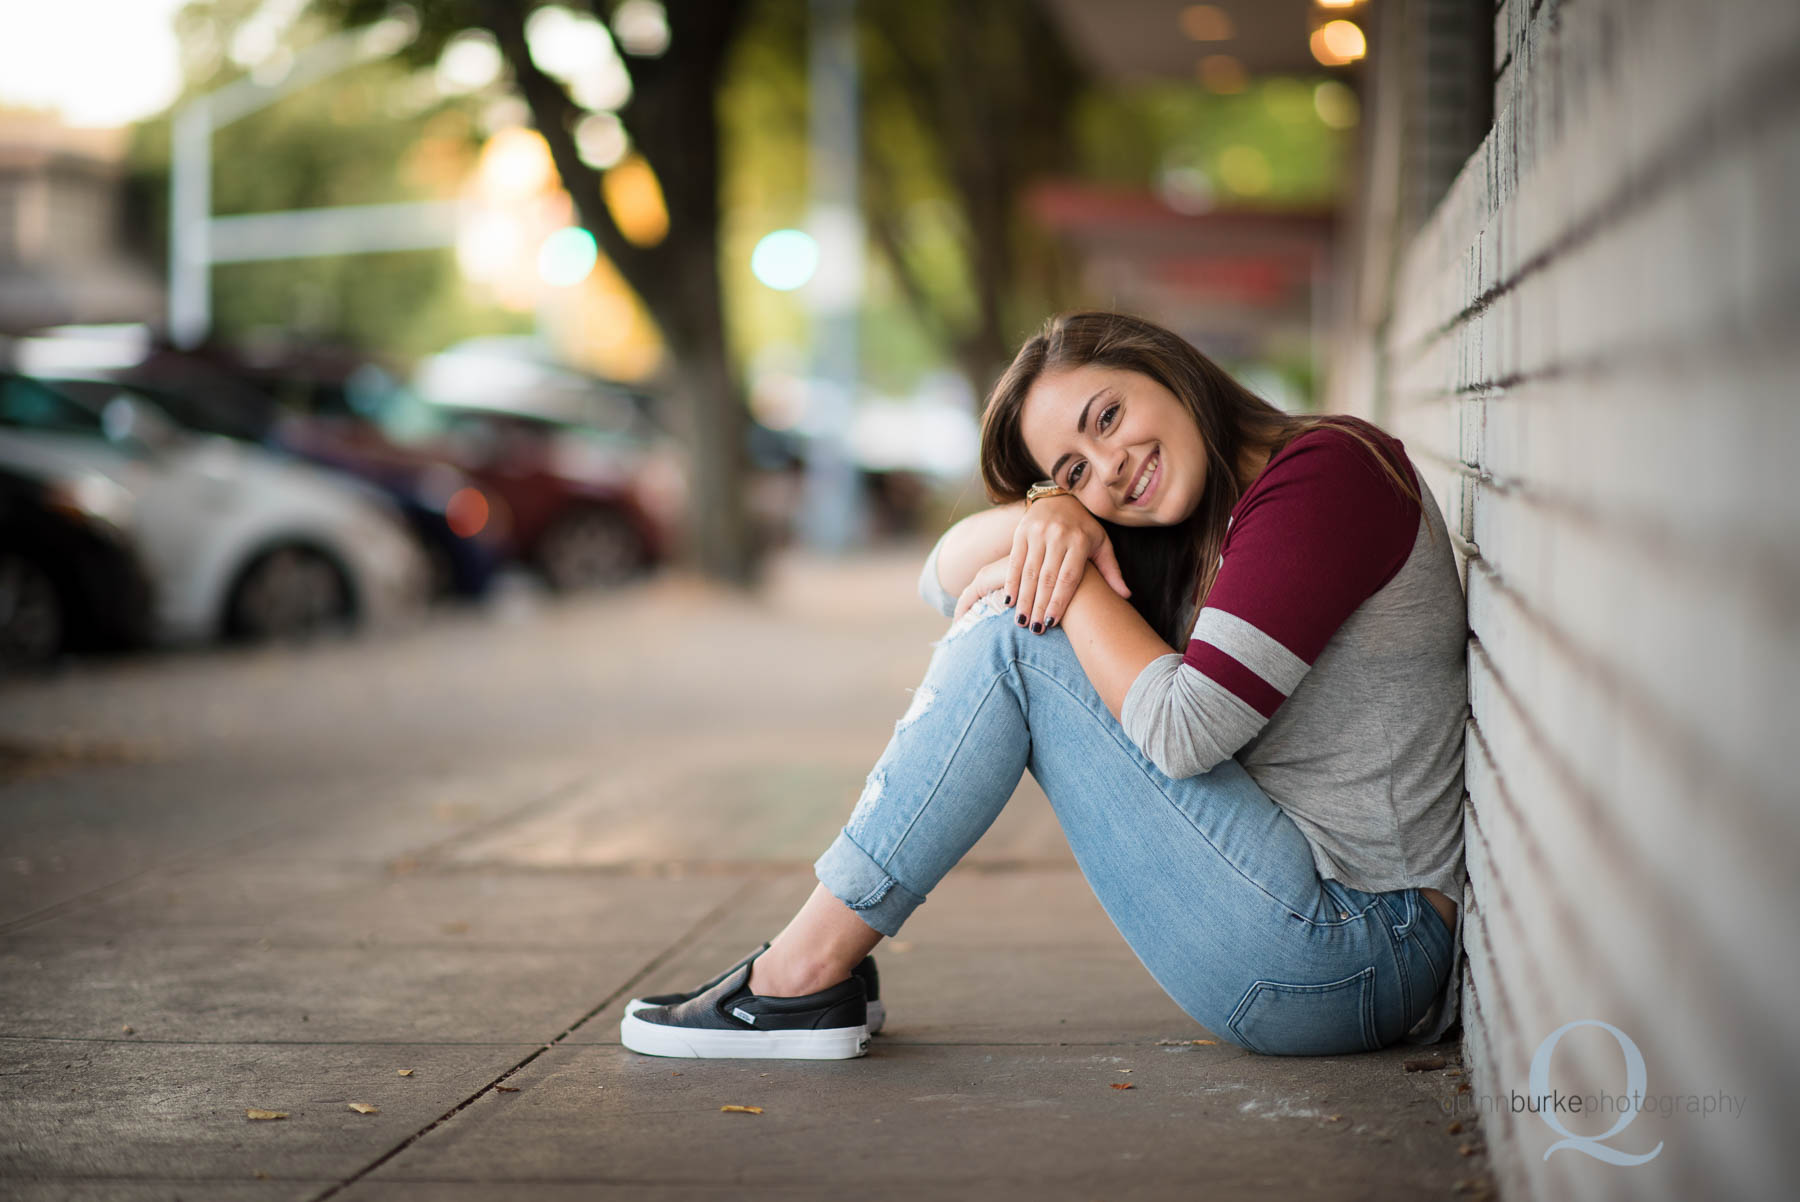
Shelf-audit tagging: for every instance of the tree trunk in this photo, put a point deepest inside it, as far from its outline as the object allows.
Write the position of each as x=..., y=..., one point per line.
x=672, y=120
x=694, y=327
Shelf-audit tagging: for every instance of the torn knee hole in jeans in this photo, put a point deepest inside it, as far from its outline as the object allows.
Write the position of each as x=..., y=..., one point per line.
x=922, y=698
x=872, y=788
x=987, y=607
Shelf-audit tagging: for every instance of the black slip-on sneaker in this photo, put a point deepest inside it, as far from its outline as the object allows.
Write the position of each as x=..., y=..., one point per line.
x=730, y=1021
x=871, y=979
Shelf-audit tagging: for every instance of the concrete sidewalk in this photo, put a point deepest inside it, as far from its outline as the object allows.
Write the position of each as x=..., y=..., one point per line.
x=280, y=879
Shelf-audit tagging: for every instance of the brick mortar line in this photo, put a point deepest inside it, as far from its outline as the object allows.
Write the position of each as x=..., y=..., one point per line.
x=1682, y=749
x=1735, y=1037
x=1765, y=92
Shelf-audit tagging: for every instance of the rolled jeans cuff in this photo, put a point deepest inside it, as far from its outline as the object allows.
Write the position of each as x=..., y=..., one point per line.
x=854, y=878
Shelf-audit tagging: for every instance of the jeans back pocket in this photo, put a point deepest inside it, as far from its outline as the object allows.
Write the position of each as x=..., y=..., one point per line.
x=1278, y=1019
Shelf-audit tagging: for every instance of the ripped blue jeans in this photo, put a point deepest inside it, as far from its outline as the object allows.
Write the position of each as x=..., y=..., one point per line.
x=1211, y=884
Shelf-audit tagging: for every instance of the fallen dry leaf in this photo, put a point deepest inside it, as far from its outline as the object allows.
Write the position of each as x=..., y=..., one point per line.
x=741, y=1109
x=127, y=1029
x=1334, y=1118
x=1421, y=1064
x=506, y=1088
x=1466, y=1150
x=403, y=1072
x=365, y=1108
x=254, y=1113
x=1123, y=1085
x=1455, y=1127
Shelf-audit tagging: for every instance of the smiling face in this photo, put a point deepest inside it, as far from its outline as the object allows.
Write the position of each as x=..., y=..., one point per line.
x=1121, y=442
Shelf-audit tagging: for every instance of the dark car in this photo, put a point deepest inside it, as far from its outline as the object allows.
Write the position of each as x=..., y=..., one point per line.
x=69, y=579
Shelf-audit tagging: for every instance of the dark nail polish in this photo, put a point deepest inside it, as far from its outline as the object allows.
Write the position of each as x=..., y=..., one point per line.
x=1037, y=628
x=1021, y=619
x=1049, y=622
x=1009, y=600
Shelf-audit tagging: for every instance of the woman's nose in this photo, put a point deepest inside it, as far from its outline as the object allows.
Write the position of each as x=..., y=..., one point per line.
x=1118, y=475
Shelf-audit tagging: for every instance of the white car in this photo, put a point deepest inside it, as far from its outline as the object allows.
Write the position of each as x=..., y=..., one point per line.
x=238, y=542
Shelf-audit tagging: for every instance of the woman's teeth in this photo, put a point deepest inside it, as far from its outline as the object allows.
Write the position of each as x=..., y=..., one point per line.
x=1144, y=480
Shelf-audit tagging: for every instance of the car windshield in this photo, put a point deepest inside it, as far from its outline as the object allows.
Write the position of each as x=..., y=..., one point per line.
x=30, y=405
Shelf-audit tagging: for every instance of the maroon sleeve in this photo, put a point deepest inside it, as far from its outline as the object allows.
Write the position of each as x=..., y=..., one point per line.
x=1322, y=529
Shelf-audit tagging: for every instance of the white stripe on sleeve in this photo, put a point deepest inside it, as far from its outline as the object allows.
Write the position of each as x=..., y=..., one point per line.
x=1251, y=647
x=1183, y=720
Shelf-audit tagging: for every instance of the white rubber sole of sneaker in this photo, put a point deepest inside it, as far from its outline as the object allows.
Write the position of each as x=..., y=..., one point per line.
x=655, y=1039
x=877, y=1012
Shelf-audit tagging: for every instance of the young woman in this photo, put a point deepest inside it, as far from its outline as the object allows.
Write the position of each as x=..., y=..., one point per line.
x=1228, y=642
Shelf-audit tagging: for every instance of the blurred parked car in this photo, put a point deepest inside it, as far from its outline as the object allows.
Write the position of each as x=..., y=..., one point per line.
x=314, y=420
x=69, y=577
x=584, y=506
x=238, y=542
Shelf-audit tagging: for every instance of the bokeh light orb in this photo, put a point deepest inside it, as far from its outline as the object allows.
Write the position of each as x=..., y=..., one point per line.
x=785, y=260
x=567, y=256
x=466, y=513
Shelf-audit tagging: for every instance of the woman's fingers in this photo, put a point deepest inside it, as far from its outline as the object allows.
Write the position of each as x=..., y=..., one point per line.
x=1060, y=591
x=1048, y=573
x=989, y=579
x=969, y=597
x=1027, y=579
x=1015, y=564
x=1108, y=565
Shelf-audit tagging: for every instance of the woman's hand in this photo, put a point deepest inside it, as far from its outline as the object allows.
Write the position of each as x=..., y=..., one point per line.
x=990, y=579
x=1051, y=548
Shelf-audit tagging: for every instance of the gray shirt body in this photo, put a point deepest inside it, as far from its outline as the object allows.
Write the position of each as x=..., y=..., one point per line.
x=1365, y=754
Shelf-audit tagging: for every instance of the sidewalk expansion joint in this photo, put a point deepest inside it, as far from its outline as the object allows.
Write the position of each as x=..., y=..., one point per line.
x=705, y=922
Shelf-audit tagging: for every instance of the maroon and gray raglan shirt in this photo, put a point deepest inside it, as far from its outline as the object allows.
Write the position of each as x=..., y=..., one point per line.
x=1329, y=659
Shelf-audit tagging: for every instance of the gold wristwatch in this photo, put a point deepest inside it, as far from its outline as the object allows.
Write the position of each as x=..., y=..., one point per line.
x=1042, y=489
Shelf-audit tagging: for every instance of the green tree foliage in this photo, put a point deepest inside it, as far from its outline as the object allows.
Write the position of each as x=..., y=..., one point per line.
x=1135, y=136
x=672, y=121
x=369, y=136
x=964, y=107
x=969, y=105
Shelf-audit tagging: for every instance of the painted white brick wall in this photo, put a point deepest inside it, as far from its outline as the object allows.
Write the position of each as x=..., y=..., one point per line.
x=1594, y=354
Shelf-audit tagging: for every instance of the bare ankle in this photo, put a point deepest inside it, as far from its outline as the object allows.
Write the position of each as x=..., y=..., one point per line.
x=771, y=976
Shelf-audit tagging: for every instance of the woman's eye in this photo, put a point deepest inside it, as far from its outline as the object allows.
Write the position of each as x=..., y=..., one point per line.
x=1106, y=417
x=1075, y=474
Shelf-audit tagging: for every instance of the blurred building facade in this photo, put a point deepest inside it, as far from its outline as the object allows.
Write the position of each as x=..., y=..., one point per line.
x=1586, y=340
x=61, y=256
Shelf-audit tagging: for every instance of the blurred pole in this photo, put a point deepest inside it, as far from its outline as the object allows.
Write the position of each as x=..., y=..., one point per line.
x=190, y=210
x=191, y=223
x=832, y=516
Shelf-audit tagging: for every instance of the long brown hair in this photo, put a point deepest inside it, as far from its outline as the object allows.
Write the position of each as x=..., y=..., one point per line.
x=1166, y=566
